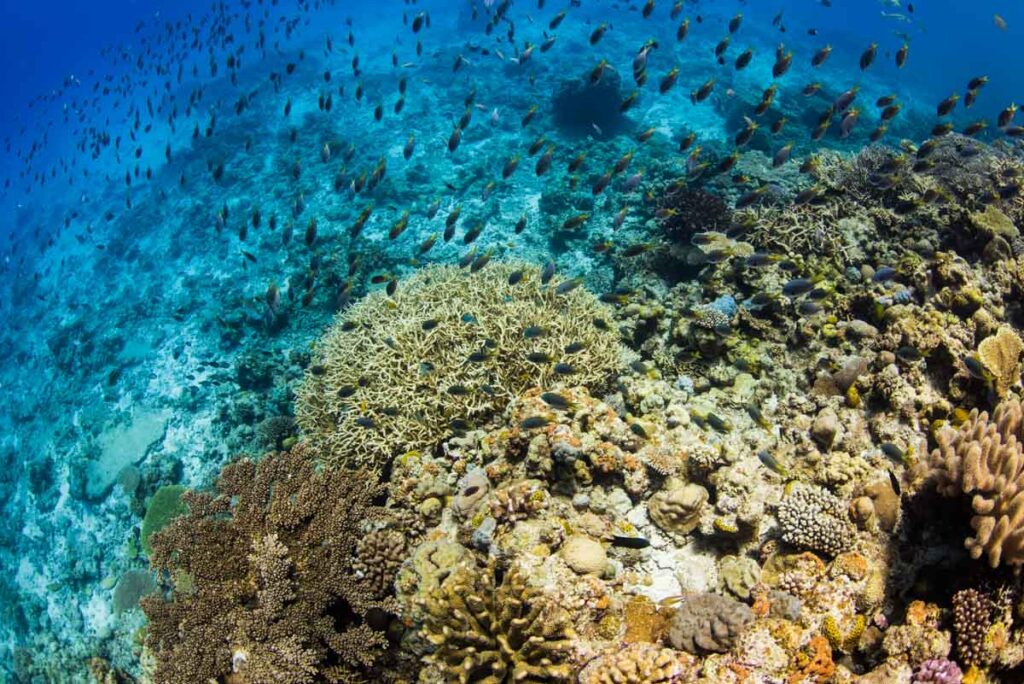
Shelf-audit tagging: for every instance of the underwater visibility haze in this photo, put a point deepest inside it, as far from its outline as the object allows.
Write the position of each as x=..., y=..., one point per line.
x=507, y=341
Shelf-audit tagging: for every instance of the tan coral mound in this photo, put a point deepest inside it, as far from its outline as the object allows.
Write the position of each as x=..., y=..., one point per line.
x=1000, y=354
x=484, y=630
x=640, y=663
x=264, y=587
x=399, y=373
x=985, y=459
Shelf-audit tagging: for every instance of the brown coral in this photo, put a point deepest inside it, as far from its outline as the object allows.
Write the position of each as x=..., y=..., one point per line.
x=972, y=613
x=272, y=594
x=985, y=459
x=489, y=629
x=1000, y=354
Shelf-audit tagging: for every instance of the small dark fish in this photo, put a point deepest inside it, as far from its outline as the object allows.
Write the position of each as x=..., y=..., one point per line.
x=429, y=324
x=574, y=347
x=568, y=286
x=884, y=274
x=534, y=331
x=771, y=463
x=909, y=354
x=479, y=356
x=895, y=483
x=868, y=56
x=808, y=308
x=630, y=542
x=563, y=368
x=638, y=430
x=555, y=400
x=539, y=357
x=719, y=424
x=797, y=286
x=547, y=273
x=365, y=421
x=977, y=369
x=601, y=324
x=893, y=451
x=534, y=422
x=458, y=391
x=515, y=277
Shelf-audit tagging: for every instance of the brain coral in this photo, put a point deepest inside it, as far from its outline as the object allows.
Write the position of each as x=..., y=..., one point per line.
x=984, y=459
x=449, y=348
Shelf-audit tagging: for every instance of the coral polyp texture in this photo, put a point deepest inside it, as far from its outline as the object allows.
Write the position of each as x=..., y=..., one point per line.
x=984, y=461
x=483, y=628
x=261, y=578
x=448, y=347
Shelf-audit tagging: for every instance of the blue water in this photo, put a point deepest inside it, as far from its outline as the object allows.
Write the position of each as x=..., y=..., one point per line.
x=120, y=295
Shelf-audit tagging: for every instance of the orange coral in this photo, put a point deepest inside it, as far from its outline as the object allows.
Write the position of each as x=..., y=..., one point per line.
x=813, y=664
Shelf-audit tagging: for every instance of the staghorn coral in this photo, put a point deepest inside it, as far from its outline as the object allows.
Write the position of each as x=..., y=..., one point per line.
x=373, y=386
x=984, y=459
x=489, y=629
x=1000, y=354
x=812, y=518
x=640, y=663
x=708, y=622
x=271, y=593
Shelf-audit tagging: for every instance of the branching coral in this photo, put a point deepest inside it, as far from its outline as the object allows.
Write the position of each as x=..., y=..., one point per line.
x=265, y=584
x=450, y=346
x=490, y=629
x=985, y=460
x=684, y=211
x=806, y=229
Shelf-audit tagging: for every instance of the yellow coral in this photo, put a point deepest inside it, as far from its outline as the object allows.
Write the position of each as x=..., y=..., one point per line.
x=1000, y=354
x=449, y=348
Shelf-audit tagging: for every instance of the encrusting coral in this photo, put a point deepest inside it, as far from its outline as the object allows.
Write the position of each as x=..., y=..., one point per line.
x=486, y=628
x=708, y=622
x=984, y=459
x=640, y=663
x=264, y=587
x=448, y=348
